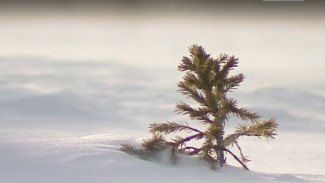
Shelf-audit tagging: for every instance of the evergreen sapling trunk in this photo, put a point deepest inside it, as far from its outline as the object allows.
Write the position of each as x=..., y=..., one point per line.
x=206, y=81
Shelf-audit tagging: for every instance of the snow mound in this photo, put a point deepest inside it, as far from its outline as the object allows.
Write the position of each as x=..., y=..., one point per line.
x=97, y=158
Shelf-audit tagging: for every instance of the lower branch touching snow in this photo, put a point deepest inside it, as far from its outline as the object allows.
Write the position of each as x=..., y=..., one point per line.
x=236, y=158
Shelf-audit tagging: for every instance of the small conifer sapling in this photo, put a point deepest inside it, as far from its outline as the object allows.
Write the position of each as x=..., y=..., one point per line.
x=207, y=82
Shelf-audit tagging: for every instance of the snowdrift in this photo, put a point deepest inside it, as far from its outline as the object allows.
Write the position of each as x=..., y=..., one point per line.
x=97, y=159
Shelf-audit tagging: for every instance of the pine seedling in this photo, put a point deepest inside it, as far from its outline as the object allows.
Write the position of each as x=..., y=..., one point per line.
x=207, y=82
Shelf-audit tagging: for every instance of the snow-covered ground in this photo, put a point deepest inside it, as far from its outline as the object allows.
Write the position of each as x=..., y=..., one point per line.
x=97, y=159
x=70, y=94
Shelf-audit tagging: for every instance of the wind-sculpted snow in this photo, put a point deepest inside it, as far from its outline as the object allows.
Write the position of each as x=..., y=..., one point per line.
x=97, y=158
x=68, y=149
x=80, y=93
x=108, y=94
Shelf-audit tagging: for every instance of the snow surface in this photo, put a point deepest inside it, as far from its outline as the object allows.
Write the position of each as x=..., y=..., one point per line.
x=65, y=113
x=97, y=159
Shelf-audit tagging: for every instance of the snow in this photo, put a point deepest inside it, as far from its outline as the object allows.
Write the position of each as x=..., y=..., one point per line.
x=56, y=135
x=97, y=158
x=65, y=114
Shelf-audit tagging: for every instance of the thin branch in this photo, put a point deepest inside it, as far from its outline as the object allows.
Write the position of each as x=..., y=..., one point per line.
x=241, y=152
x=234, y=81
x=191, y=93
x=242, y=113
x=236, y=158
x=180, y=141
x=170, y=127
x=186, y=65
x=259, y=129
x=200, y=113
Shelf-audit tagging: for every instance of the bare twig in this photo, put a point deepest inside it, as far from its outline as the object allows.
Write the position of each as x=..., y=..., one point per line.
x=236, y=158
